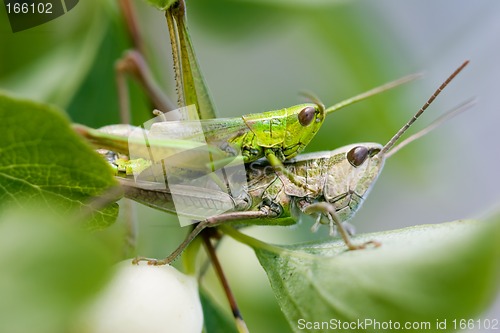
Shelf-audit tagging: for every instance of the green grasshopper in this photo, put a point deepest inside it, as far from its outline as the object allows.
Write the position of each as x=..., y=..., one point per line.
x=339, y=181
x=278, y=135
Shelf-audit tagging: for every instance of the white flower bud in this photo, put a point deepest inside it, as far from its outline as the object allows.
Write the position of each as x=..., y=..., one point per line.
x=146, y=299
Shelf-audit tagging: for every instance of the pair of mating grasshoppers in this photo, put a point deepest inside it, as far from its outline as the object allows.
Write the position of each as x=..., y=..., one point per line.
x=278, y=185
x=243, y=170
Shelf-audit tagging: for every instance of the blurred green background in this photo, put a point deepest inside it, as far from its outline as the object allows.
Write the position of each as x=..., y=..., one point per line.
x=257, y=56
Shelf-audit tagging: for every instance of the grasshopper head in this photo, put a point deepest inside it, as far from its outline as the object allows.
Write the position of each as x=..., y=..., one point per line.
x=289, y=129
x=302, y=123
x=351, y=174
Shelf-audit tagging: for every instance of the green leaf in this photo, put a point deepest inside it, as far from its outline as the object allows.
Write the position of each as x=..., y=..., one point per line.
x=419, y=274
x=50, y=269
x=215, y=320
x=42, y=159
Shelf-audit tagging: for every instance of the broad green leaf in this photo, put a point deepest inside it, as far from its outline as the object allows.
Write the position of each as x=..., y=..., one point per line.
x=42, y=159
x=50, y=269
x=419, y=274
x=215, y=320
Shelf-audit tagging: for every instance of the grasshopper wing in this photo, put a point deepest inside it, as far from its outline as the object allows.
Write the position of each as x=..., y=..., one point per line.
x=137, y=142
x=217, y=132
x=188, y=201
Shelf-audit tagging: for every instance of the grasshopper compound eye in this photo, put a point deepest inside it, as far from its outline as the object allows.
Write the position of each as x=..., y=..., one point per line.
x=357, y=155
x=306, y=115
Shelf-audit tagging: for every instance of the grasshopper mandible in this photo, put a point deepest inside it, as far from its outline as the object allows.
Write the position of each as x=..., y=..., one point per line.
x=340, y=181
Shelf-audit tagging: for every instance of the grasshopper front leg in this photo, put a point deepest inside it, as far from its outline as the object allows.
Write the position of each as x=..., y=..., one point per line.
x=326, y=209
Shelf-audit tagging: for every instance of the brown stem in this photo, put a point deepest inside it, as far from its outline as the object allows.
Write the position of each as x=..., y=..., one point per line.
x=240, y=323
x=131, y=22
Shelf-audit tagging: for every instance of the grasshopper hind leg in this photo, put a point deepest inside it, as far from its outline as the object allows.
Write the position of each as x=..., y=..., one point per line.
x=209, y=222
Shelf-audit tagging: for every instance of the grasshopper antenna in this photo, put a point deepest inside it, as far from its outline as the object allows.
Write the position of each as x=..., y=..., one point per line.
x=372, y=92
x=464, y=106
x=375, y=91
x=403, y=129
